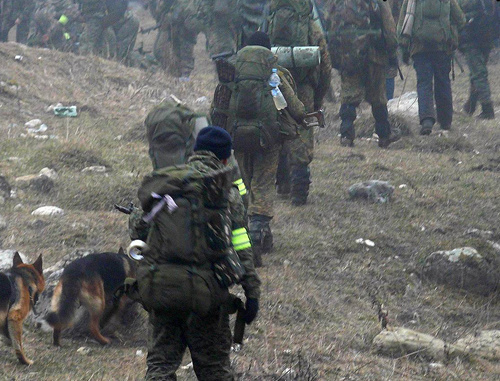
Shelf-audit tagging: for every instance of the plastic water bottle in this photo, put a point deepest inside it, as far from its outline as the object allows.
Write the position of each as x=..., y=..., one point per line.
x=278, y=98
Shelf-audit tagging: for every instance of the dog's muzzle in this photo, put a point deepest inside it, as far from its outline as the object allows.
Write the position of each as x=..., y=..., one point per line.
x=136, y=248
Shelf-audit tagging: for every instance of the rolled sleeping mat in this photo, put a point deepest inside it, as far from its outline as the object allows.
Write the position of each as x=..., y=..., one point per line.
x=297, y=57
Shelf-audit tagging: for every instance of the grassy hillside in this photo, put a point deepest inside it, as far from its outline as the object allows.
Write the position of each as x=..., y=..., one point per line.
x=317, y=315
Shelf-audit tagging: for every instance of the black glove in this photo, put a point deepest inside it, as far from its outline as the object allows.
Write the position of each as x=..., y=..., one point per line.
x=393, y=61
x=251, y=307
x=406, y=57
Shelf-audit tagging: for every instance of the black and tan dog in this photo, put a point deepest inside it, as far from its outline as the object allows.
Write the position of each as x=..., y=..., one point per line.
x=19, y=290
x=89, y=281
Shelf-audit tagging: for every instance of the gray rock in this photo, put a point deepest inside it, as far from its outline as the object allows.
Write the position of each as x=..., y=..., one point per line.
x=373, y=190
x=95, y=169
x=6, y=259
x=5, y=187
x=485, y=234
x=50, y=173
x=39, y=183
x=463, y=268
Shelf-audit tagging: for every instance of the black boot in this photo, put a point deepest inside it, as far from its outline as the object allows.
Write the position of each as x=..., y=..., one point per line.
x=487, y=111
x=426, y=126
x=471, y=104
x=261, y=236
x=301, y=178
x=348, y=116
x=383, y=127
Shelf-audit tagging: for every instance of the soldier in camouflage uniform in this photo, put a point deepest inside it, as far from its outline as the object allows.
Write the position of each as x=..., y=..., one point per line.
x=93, y=12
x=126, y=30
x=209, y=337
x=392, y=69
x=259, y=168
x=180, y=25
x=311, y=89
x=368, y=84
x=477, y=53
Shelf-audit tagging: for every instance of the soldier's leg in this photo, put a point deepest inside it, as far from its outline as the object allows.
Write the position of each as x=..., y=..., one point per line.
x=376, y=96
x=166, y=346
x=221, y=33
x=422, y=63
x=351, y=93
x=183, y=46
x=92, y=35
x=301, y=152
x=471, y=53
x=283, y=172
x=209, y=340
x=442, y=89
x=126, y=35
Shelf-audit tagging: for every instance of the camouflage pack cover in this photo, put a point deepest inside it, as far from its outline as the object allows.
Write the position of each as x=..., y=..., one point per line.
x=356, y=27
x=169, y=130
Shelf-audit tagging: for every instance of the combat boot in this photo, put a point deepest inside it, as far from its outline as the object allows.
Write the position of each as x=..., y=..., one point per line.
x=471, y=104
x=301, y=179
x=348, y=116
x=487, y=111
x=426, y=126
x=261, y=236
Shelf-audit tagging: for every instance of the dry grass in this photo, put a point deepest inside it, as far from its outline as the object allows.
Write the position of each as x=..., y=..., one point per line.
x=317, y=320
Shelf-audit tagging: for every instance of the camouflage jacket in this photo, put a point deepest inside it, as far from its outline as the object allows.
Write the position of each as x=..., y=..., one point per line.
x=289, y=89
x=322, y=75
x=457, y=20
x=203, y=160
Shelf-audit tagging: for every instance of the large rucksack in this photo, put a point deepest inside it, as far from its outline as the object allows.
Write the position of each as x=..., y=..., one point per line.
x=484, y=27
x=190, y=230
x=289, y=25
x=289, y=22
x=432, y=22
x=243, y=104
x=169, y=130
x=356, y=27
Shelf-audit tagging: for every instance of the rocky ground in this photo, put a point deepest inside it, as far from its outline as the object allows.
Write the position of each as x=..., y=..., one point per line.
x=336, y=260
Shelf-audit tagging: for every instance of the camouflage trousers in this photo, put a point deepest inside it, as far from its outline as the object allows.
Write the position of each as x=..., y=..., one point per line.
x=208, y=339
x=368, y=85
x=258, y=170
x=297, y=154
x=477, y=60
x=97, y=40
x=126, y=31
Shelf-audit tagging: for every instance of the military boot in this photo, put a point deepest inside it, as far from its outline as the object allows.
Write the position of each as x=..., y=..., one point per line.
x=348, y=116
x=301, y=179
x=487, y=111
x=261, y=236
x=470, y=106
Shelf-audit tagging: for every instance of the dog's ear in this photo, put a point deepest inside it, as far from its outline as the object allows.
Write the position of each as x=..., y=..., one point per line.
x=17, y=260
x=121, y=251
x=38, y=265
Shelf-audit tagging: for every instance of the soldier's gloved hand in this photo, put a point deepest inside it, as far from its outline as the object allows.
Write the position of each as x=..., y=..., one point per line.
x=393, y=61
x=406, y=57
x=252, y=308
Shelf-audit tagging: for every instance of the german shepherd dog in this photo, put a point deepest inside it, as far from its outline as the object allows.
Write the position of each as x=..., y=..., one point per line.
x=89, y=281
x=19, y=290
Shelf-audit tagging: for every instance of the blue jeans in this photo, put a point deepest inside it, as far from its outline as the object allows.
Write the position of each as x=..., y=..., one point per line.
x=433, y=84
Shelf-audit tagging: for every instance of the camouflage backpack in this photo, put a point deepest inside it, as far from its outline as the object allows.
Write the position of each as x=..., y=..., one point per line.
x=190, y=230
x=356, y=27
x=243, y=103
x=169, y=130
x=289, y=25
x=432, y=24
